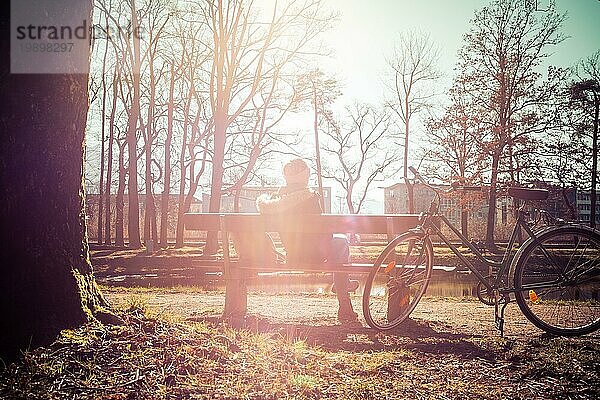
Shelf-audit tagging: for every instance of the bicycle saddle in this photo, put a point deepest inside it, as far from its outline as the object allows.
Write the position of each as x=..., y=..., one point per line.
x=528, y=194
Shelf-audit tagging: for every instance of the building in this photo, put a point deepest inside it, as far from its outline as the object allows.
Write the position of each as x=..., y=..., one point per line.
x=584, y=206
x=249, y=194
x=473, y=203
x=563, y=202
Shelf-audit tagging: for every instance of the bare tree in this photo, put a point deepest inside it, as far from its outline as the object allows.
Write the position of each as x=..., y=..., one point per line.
x=111, y=141
x=183, y=166
x=360, y=152
x=120, y=202
x=414, y=69
x=164, y=204
x=320, y=91
x=103, y=140
x=498, y=64
x=140, y=68
x=247, y=148
x=113, y=12
x=246, y=47
x=156, y=20
x=195, y=140
x=454, y=148
x=133, y=226
x=586, y=94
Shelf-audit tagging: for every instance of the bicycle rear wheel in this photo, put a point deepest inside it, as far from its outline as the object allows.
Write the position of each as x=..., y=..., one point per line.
x=557, y=281
x=399, y=278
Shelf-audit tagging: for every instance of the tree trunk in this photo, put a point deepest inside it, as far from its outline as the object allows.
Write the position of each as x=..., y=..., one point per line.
x=120, y=199
x=111, y=140
x=214, y=205
x=181, y=198
x=194, y=178
x=491, y=217
x=349, y=203
x=180, y=203
x=593, y=197
x=133, y=228
x=410, y=192
x=103, y=147
x=47, y=280
x=150, y=210
x=317, y=147
x=164, y=206
x=464, y=221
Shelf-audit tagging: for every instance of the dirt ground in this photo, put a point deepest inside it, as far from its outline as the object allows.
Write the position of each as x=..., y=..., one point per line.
x=173, y=345
x=449, y=349
x=460, y=316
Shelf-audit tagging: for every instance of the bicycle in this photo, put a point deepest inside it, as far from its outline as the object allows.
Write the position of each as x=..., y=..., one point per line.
x=555, y=273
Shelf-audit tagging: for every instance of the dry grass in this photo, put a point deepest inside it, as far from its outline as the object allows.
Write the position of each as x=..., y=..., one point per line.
x=162, y=354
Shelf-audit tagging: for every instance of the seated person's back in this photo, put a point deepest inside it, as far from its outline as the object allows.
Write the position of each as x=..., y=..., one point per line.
x=292, y=202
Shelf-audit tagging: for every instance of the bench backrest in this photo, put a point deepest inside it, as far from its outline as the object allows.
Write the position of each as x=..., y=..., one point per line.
x=324, y=223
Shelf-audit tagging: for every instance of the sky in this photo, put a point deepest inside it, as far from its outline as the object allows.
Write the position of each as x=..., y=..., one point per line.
x=372, y=26
x=366, y=31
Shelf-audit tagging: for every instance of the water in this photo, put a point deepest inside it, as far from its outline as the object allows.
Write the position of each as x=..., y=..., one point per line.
x=444, y=283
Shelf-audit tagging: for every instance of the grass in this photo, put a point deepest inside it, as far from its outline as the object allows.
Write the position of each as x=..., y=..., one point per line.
x=160, y=355
x=362, y=253
x=144, y=291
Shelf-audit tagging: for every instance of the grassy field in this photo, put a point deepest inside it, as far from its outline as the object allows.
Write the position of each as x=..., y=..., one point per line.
x=173, y=346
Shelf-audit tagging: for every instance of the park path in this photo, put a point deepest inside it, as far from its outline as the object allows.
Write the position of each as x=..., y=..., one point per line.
x=452, y=315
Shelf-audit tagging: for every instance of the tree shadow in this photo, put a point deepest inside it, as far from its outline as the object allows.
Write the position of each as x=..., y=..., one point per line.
x=418, y=336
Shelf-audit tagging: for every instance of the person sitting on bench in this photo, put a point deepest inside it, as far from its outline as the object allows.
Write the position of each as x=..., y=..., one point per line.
x=294, y=200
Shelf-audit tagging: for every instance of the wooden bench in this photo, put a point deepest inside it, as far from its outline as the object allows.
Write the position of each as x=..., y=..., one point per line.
x=235, y=292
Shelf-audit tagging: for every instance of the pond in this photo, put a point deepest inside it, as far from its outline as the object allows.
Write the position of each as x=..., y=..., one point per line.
x=443, y=283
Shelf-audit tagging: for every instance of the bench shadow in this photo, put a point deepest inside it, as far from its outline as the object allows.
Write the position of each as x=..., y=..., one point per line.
x=417, y=336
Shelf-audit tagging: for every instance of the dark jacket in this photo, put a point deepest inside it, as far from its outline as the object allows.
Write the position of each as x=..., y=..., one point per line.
x=290, y=207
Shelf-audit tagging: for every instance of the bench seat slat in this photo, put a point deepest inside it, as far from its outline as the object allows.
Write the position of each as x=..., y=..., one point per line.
x=318, y=223
x=313, y=268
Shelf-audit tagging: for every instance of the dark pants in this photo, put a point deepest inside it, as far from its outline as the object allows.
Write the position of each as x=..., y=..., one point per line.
x=340, y=254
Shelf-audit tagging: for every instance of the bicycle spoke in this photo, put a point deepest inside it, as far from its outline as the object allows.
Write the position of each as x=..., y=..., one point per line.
x=592, y=268
x=397, y=283
x=571, y=258
x=551, y=259
x=590, y=278
x=562, y=269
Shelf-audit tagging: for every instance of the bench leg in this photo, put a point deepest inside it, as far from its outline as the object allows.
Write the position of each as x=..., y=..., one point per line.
x=341, y=280
x=236, y=298
x=236, y=292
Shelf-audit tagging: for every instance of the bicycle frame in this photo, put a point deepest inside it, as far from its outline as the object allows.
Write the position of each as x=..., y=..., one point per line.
x=429, y=226
x=499, y=286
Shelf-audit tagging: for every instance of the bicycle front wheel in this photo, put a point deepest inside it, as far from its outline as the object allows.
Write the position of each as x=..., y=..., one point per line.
x=399, y=278
x=557, y=281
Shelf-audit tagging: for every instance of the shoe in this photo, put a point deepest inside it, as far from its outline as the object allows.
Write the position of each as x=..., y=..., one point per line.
x=351, y=287
x=347, y=316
